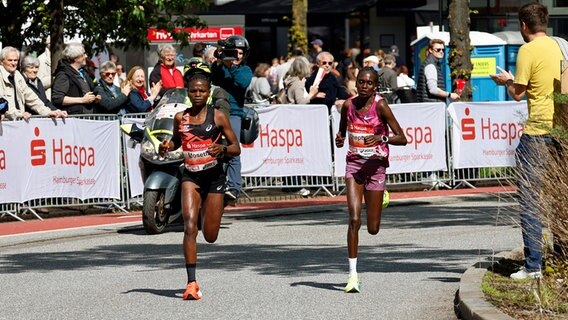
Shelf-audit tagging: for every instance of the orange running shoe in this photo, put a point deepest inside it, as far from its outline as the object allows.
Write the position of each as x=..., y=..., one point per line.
x=192, y=291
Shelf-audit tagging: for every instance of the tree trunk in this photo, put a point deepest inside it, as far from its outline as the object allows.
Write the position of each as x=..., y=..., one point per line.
x=56, y=29
x=299, y=29
x=460, y=57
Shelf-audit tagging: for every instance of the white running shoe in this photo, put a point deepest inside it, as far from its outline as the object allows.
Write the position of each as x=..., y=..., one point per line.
x=304, y=192
x=524, y=274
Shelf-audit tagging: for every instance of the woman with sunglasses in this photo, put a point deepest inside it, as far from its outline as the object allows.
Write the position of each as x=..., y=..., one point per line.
x=367, y=117
x=114, y=100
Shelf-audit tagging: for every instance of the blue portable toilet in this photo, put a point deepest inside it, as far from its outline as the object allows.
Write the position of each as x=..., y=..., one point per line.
x=488, y=53
x=513, y=41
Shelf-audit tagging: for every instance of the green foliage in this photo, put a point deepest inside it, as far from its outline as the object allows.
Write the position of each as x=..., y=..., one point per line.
x=124, y=22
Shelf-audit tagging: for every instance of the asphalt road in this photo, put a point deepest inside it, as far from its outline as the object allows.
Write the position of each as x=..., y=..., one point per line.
x=284, y=264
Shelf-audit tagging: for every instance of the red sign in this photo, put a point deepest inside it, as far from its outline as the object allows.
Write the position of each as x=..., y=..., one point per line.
x=210, y=34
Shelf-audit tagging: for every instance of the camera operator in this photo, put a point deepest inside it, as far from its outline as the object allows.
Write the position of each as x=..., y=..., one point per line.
x=231, y=73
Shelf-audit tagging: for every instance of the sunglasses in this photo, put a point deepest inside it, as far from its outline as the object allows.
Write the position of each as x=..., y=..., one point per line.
x=108, y=74
x=438, y=49
x=323, y=63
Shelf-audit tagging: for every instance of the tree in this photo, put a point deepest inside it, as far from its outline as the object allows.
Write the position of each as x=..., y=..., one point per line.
x=118, y=23
x=460, y=46
x=299, y=29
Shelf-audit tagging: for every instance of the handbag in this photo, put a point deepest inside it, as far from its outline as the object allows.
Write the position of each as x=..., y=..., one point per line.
x=3, y=106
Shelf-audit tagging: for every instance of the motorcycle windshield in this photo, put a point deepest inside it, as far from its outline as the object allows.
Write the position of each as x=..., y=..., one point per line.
x=160, y=120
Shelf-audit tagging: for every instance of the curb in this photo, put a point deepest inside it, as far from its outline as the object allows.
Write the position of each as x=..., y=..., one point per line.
x=471, y=300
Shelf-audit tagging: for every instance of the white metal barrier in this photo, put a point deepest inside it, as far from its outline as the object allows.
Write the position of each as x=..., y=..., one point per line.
x=294, y=150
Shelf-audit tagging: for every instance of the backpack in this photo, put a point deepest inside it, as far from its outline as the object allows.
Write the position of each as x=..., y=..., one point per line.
x=250, y=126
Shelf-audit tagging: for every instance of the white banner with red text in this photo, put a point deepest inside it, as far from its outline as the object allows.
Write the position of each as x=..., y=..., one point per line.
x=424, y=125
x=45, y=158
x=485, y=134
x=293, y=140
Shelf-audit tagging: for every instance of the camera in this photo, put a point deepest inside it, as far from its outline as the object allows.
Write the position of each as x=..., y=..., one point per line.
x=228, y=50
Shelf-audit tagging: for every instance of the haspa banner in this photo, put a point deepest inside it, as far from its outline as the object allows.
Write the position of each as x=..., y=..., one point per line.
x=46, y=158
x=424, y=125
x=293, y=140
x=486, y=134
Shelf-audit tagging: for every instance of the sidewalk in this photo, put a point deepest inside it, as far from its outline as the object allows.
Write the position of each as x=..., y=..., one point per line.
x=269, y=205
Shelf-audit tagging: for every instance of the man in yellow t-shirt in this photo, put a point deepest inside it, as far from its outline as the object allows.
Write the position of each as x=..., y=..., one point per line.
x=538, y=77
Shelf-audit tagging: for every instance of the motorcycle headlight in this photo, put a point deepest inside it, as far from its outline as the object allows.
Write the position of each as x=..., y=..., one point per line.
x=148, y=151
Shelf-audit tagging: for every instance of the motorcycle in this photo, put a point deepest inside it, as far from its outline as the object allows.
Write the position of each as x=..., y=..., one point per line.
x=161, y=175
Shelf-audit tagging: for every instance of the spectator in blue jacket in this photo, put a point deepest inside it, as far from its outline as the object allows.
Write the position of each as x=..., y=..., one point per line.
x=139, y=100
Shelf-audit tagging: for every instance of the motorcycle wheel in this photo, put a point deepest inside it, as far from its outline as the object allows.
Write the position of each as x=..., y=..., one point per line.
x=154, y=216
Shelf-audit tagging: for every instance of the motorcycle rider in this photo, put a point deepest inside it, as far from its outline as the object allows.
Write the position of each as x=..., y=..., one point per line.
x=198, y=130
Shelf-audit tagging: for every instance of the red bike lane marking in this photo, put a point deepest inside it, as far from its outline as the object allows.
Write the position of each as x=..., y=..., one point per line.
x=60, y=223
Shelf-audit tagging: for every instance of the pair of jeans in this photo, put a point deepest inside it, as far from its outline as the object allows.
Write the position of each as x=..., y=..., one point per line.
x=531, y=155
x=234, y=181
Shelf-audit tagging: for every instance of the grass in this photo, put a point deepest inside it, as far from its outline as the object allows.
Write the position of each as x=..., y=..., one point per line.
x=531, y=299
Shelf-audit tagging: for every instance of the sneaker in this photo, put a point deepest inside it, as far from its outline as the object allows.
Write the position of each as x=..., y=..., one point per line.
x=352, y=284
x=303, y=192
x=231, y=195
x=524, y=274
x=192, y=291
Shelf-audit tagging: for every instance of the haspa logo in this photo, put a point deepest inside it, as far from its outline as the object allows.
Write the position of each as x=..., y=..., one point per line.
x=37, y=150
x=2, y=160
x=62, y=153
x=287, y=138
x=468, y=126
x=491, y=130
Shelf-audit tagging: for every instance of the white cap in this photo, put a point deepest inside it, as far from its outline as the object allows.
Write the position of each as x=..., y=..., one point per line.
x=372, y=58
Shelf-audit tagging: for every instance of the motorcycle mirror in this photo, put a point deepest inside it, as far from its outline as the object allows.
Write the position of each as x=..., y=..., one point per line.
x=133, y=131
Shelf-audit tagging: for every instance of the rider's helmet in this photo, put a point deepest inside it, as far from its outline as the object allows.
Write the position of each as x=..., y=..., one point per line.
x=235, y=42
x=195, y=66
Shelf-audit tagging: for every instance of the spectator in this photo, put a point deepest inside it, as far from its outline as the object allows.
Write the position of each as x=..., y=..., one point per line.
x=330, y=90
x=231, y=73
x=372, y=61
x=406, y=86
x=317, y=48
x=387, y=79
x=538, y=78
x=430, y=77
x=73, y=88
x=350, y=80
x=199, y=49
x=30, y=68
x=165, y=70
x=114, y=99
x=120, y=75
x=91, y=69
x=294, y=83
x=259, y=89
x=283, y=68
x=138, y=99
x=273, y=74
x=15, y=91
x=396, y=53
x=44, y=72
x=297, y=94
